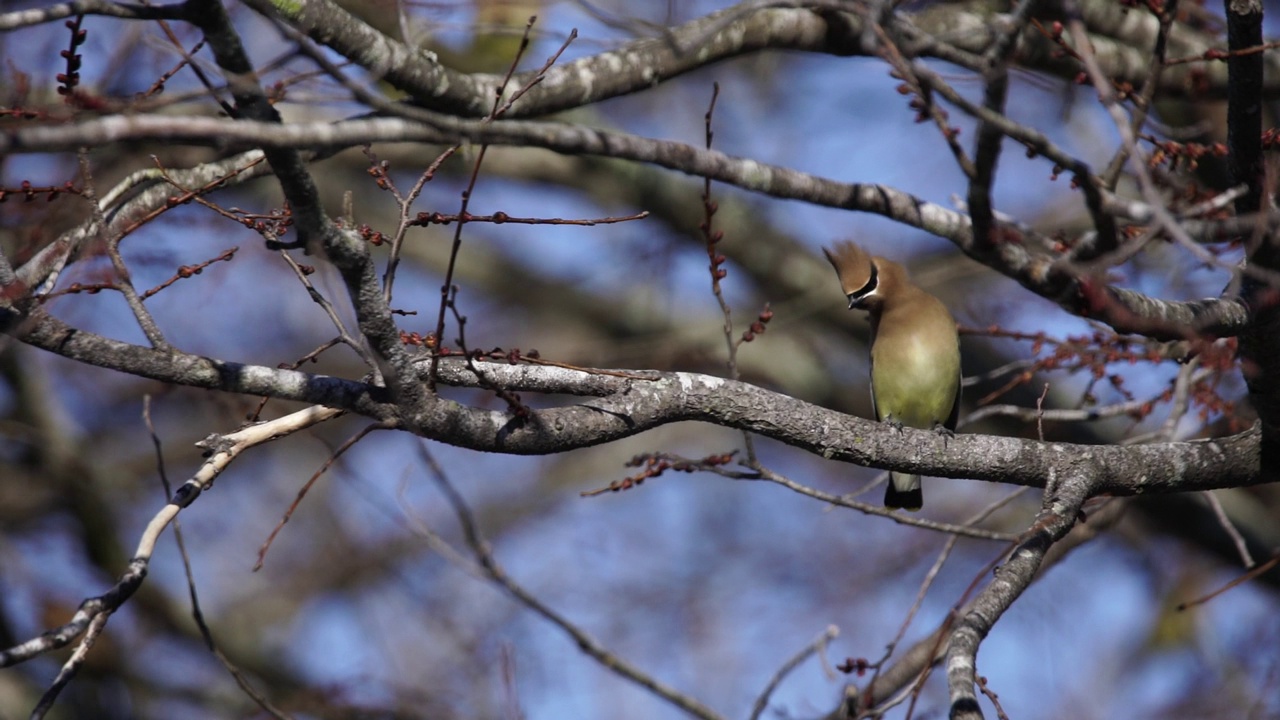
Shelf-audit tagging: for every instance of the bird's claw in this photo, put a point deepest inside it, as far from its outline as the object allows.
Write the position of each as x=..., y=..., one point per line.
x=946, y=432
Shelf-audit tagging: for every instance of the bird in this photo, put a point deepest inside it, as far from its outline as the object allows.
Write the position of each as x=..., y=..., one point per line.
x=915, y=353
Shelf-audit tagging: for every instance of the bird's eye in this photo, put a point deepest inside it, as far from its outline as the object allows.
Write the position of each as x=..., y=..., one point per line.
x=866, y=290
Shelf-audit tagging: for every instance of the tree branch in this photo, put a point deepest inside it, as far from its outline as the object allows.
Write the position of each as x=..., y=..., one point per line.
x=1125, y=310
x=816, y=26
x=1058, y=515
x=627, y=406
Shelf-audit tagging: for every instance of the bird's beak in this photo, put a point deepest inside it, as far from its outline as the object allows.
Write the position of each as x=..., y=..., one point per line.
x=854, y=301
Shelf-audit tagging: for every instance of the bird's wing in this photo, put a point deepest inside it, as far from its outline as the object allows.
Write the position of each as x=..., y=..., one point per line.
x=955, y=406
x=871, y=386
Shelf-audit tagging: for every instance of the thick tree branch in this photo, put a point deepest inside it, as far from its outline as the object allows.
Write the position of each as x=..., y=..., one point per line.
x=47, y=332
x=932, y=648
x=125, y=11
x=346, y=250
x=627, y=406
x=636, y=66
x=1260, y=345
x=971, y=29
x=1124, y=310
x=1059, y=514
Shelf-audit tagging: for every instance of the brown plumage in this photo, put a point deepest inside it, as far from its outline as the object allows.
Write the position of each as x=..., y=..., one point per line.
x=915, y=352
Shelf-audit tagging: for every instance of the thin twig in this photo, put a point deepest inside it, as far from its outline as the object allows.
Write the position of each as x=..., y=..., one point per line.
x=1187, y=375
x=1257, y=571
x=499, y=108
x=1138, y=165
x=1167, y=14
x=991, y=695
x=932, y=575
x=344, y=336
x=1040, y=412
x=1220, y=513
x=901, y=519
x=495, y=573
x=196, y=613
x=71, y=666
x=124, y=279
x=711, y=238
x=223, y=450
x=817, y=646
x=306, y=487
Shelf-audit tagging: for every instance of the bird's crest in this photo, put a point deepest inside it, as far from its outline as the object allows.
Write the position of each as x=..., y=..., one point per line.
x=858, y=274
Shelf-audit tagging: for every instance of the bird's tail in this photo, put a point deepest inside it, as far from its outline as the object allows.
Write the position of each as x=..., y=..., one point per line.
x=903, y=491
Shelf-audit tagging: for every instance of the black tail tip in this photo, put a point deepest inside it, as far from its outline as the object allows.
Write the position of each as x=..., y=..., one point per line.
x=911, y=500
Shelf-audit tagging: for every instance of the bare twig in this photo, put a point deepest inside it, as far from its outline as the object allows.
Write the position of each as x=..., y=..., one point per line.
x=927, y=582
x=447, y=289
x=1167, y=14
x=1256, y=571
x=818, y=645
x=495, y=573
x=124, y=279
x=1242, y=546
x=224, y=449
x=73, y=663
x=866, y=508
x=197, y=614
x=306, y=487
x=991, y=695
x=344, y=336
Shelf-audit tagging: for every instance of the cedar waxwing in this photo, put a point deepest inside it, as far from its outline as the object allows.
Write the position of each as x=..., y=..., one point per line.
x=915, y=353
